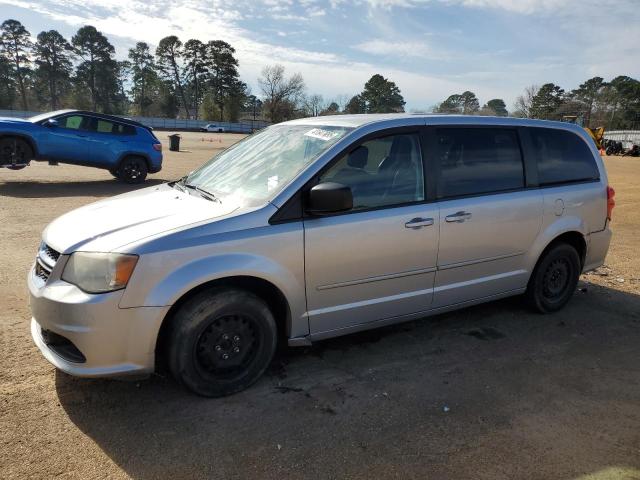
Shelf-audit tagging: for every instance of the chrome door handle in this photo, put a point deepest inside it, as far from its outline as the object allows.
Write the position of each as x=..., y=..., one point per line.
x=458, y=217
x=418, y=222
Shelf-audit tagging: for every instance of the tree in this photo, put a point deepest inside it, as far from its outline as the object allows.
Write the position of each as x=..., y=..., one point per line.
x=626, y=102
x=53, y=65
x=355, y=105
x=382, y=96
x=498, y=107
x=98, y=70
x=281, y=94
x=453, y=104
x=195, y=67
x=7, y=84
x=332, y=109
x=470, y=103
x=524, y=102
x=313, y=105
x=222, y=73
x=143, y=77
x=169, y=55
x=16, y=46
x=546, y=102
x=587, y=93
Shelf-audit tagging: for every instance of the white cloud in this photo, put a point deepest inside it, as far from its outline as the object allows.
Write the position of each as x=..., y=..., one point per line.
x=414, y=49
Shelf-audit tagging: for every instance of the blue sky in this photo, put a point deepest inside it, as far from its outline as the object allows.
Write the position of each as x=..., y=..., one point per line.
x=430, y=48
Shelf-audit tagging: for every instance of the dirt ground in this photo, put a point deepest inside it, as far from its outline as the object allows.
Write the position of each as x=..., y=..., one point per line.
x=490, y=392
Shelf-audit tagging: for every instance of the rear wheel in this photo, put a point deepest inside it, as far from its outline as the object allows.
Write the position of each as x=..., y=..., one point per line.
x=15, y=153
x=132, y=170
x=221, y=341
x=554, y=279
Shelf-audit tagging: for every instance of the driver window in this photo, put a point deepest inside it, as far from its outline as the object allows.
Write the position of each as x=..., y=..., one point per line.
x=382, y=172
x=74, y=122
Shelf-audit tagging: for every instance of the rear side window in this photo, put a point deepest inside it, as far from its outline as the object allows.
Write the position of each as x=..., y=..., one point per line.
x=473, y=161
x=105, y=126
x=562, y=157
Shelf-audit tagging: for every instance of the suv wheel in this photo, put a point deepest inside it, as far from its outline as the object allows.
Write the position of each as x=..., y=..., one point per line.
x=15, y=153
x=132, y=170
x=554, y=279
x=221, y=341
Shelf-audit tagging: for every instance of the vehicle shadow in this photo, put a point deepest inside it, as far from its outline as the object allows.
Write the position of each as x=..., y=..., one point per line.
x=87, y=188
x=492, y=391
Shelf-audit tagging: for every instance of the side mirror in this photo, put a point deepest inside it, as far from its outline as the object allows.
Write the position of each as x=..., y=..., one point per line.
x=329, y=197
x=52, y=122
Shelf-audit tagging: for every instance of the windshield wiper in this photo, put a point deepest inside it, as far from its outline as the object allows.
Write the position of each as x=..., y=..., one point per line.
x=203, y=193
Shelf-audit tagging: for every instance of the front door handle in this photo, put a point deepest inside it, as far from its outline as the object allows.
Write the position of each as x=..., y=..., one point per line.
x=458, y=217
x=418, y=222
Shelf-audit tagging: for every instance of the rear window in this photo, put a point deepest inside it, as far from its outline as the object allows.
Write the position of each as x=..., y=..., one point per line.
x=562, y=157
x=474, y=161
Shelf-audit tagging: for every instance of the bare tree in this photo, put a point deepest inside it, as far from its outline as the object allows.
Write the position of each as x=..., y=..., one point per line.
x=314, y=104
x=522, y=107
x=281, y=94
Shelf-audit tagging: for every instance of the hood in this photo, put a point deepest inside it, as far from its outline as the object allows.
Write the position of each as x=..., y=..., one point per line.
x=106, y=225
x=13, y=120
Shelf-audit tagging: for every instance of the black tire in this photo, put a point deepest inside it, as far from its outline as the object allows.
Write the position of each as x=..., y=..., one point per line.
x=132, y=170
x=218, y=323
x=114, y=173
x=554, y=279
x=15, y=151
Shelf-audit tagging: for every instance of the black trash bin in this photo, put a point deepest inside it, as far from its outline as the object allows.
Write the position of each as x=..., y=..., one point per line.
x=174, y=142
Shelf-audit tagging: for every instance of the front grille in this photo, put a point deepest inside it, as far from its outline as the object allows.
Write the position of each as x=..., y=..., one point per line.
x=45, y=261
x=62, y=346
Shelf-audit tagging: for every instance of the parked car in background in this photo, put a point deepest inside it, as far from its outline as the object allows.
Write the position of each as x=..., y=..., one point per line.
x=126, y=148
x=213, y=127
x=316, y=228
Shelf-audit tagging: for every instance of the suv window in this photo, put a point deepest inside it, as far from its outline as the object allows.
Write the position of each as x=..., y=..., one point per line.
x=474, y=161
x=105, y=126
x=381, y=172
x=74, y=122
x=562, y=157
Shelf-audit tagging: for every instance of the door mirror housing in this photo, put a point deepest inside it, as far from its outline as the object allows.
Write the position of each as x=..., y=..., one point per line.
x=329, y=197
x=52, y=122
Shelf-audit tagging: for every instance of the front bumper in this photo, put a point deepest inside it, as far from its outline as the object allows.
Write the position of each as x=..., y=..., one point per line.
x=113, y=341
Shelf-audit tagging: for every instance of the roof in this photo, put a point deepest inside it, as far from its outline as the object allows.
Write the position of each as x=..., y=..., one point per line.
x=398, y=119
x=105, y=116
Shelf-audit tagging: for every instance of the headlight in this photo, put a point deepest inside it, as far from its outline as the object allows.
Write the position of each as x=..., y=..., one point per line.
x=99, y=272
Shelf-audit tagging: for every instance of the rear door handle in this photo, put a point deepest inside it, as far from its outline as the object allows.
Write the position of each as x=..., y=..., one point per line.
x=458, y=217
x=418, y=222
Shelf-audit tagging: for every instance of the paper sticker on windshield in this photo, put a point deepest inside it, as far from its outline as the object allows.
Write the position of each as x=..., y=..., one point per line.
x=321, y=134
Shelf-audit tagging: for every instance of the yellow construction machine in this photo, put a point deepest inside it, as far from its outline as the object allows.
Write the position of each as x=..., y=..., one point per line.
x=596, y=133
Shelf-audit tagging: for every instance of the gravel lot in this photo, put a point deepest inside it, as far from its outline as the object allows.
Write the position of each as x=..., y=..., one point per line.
x=490, y=392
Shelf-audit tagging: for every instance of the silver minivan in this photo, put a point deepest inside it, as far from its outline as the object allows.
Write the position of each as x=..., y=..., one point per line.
x=316, y=228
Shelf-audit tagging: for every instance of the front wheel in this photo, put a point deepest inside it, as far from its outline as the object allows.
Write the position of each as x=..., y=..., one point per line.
x=554, y=279
x=221, y=341
x=132, y=170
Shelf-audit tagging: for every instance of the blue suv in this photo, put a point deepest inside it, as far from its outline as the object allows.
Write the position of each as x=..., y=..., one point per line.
x=126, y=148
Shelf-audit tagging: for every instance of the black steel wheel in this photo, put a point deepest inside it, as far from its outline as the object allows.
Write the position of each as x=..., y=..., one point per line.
x=132, y=170
x=221, y=341
x=15, y=153
x=554, y=279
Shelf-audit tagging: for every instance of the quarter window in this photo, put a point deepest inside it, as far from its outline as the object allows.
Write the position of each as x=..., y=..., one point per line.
x=474, y=161
x=562, y=157
x=381, y=172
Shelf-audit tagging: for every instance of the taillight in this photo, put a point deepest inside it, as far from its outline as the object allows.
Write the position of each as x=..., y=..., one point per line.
x=157, y=147
x=611, y=201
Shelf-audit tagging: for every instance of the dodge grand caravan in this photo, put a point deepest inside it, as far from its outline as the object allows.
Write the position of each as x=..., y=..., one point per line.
x=316, y=228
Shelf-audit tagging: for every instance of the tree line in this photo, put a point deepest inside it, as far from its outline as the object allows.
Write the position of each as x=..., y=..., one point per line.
x=200, y=80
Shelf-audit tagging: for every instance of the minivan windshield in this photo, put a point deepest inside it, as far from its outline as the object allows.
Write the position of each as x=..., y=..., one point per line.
x=258, y=167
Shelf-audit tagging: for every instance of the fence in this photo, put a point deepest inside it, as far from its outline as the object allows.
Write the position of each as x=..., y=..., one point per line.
x=246, y=126
x=624, y=136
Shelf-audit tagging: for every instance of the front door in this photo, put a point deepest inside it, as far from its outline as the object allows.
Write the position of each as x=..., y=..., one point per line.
x=378, y=260
x=68, y=141
x=488, y=219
